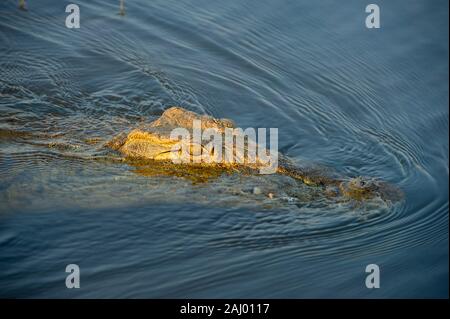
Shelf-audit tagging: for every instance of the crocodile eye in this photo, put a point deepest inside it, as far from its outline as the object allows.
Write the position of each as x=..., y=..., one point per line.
x=362, y=183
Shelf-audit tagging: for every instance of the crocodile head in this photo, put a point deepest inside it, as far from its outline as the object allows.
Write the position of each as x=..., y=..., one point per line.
x=153, y=141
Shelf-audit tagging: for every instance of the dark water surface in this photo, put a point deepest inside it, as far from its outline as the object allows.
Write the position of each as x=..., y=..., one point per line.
x=362, y=102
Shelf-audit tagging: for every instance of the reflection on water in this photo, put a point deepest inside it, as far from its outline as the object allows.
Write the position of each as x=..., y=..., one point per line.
x=362, y=102
x=122, y=7
x=22, y=5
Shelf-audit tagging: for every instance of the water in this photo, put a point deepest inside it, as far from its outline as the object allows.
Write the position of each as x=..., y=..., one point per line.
x=362, y=102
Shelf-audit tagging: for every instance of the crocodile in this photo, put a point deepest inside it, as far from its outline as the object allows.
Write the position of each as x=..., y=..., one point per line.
x=152, y=149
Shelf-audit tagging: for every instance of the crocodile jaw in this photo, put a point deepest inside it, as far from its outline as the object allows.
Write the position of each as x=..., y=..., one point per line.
x=140, y=144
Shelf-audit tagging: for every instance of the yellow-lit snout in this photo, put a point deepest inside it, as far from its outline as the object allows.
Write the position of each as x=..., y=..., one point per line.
x=189, y=152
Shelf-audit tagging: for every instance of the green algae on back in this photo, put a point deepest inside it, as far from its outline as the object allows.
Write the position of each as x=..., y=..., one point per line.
x=196, y=173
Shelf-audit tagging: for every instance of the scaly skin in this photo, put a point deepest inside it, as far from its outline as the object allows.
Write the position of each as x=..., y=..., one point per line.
x=152, y=143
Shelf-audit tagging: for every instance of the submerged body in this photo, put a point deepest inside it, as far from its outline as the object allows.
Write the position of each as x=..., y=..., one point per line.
x=152, y=149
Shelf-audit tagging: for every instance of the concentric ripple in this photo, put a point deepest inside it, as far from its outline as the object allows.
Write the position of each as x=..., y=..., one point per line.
x=357, y=101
